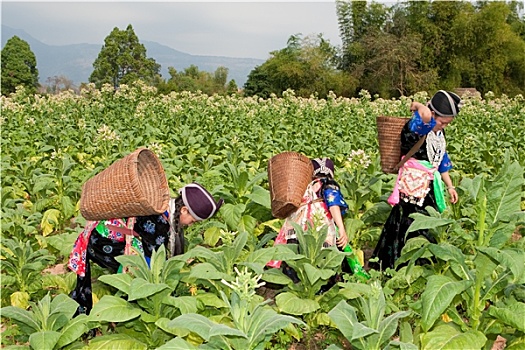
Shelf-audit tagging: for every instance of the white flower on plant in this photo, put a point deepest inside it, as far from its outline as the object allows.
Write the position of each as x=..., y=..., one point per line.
x=30, y=121
x=155, y=148
x=245, y=283
x=358, y=159
x=106, y=134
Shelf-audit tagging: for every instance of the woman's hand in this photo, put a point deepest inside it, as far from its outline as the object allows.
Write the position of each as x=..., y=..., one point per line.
x=342, y=241
x=453, y=195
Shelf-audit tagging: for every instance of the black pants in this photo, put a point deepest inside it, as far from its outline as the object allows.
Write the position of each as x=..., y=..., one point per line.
x=102, y=251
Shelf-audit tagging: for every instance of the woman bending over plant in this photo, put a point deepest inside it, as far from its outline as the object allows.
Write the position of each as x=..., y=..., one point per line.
x=420, y=179
x=322, y=206
x=102, y=241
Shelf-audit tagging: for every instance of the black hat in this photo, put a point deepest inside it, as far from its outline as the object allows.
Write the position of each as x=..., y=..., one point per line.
x=445, y=104
x=323, y=166
x=199, y=201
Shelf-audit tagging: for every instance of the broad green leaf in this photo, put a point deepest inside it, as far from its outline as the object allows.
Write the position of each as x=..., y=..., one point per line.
x=44, y=340
x=405, y=332
x=314, y=274
x=195, y=323
x=63, y=304
x=265, y=321
x=260, y=196
x=212, y=235
x=158, y=259
x=223, y=330
x=232, y=214
x=113, y=309
x=275, y=276
x=352, y=225
x=500, y=233
x=504, y=193
x=121, y=281
x=207, y=271
x=511, y=259
x=137, y=263
x=140, y=289
x=73, y=330
x=450, y=338
x=163, y=323
x=400, y=345
x=23, y=318
x=438, y=296
x=62, y=242
x=345, y=319
x=512, y=315
x=446, y=251
x=516, y=343
x=43, y=183
x=116, y=342
x=388, y=327
x=186, y=304
x=68, y=208
x=210, y=299
x=424, y=222
x=260, y=256
x=290, y=303
x=177, y=344
x=247, y=224
x=234, y=252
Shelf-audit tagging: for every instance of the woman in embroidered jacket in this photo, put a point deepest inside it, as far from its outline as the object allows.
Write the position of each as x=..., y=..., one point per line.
x=420, y=180
x=322, y=206
x=102, y=241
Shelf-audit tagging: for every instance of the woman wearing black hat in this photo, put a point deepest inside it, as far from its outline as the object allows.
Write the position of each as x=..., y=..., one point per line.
x=422, y=179
x=102, y=241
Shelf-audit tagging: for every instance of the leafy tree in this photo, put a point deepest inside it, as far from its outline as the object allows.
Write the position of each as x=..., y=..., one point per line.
x=306, y=65
x=56, y=84
x=258, y=83
x=489, y=53
x=192, y=79
x=356, y=19
x=122, y=60
x=232, y=87
x=18, y=66
x=392, y=65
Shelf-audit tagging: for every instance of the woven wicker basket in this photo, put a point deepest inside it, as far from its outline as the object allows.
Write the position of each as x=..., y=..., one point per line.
x=132, y=186
x=289, y=174
x=388, y=135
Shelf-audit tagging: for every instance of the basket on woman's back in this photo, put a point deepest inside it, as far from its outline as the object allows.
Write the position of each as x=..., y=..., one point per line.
x=289, y=173
x=389, y=138
x=135, y=185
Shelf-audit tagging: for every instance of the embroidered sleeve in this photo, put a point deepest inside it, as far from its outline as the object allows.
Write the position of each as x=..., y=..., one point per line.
x=418, y=126
x=445, y=164
x=334, y=197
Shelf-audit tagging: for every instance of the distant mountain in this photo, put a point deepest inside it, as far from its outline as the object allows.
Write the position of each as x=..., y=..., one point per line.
x=76, y=61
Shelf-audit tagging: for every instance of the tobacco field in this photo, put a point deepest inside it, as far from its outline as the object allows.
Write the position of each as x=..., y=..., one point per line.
x=219, y=294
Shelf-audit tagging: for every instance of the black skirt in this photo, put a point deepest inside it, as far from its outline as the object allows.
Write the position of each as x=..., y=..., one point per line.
x=392, y=239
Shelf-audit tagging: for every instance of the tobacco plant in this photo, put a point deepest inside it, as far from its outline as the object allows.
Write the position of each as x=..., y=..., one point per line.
x=365, y=325
x=21, y=267
x=251, y=322
x=49, y=324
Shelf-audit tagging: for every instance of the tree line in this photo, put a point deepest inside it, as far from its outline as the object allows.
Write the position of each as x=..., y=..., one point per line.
x=390, y=51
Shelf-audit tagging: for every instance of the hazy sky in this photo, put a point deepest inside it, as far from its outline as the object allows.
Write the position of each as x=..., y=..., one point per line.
x=216, y=28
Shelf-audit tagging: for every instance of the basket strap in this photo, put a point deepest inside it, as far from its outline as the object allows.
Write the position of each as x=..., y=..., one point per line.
x=410, y=153
x=123, y=230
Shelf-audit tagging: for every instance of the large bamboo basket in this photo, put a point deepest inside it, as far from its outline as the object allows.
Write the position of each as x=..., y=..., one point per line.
x=289, y=174
x=389, y=138
x=135, y=185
